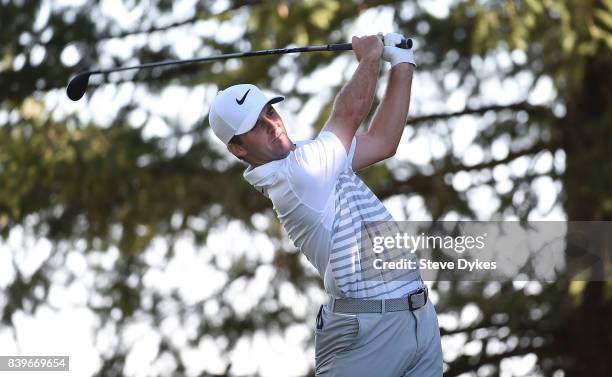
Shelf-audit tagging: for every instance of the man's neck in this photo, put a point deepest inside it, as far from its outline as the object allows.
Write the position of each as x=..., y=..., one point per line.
x=254, y=164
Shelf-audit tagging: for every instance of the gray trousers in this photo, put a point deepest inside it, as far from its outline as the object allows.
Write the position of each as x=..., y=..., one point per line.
x=393, y=344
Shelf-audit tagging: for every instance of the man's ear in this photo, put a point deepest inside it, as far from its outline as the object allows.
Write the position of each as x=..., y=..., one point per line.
x=237, y=150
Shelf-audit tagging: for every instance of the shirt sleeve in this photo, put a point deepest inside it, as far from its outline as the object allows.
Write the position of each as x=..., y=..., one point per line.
x=315, y=167
x=351, y=153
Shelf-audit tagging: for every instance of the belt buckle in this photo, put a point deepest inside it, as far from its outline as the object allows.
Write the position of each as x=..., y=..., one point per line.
x=419, y=291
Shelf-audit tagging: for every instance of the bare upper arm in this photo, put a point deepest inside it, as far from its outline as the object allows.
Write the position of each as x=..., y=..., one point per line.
x=368, y=151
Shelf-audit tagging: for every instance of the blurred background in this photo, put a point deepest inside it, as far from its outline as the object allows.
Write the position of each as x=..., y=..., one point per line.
x=130, y=241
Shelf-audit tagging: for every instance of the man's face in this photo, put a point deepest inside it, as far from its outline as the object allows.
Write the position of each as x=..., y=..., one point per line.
x=266, y=141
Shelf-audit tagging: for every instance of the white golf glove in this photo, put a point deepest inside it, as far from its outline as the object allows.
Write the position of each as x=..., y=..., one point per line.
x=396, y=55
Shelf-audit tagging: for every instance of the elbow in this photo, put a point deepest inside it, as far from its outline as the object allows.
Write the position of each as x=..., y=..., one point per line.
x=390, y=152
x=391, y=149
x=352, y=114
x=348, y=117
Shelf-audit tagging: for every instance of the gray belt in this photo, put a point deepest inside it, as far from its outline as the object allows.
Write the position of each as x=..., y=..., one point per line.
x=413, y=301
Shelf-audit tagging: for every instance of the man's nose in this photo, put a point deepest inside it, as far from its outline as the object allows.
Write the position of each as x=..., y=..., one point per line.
x=270, y=127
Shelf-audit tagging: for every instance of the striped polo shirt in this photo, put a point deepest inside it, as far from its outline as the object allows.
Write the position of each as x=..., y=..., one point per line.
x=322, y=204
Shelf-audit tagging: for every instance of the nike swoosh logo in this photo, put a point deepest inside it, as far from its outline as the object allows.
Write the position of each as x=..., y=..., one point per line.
x=241, y=101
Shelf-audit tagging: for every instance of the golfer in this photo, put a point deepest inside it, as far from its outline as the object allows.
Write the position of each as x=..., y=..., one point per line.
x=369, y=327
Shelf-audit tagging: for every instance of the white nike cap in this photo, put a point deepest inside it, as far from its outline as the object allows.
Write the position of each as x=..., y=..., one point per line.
x=236, y=109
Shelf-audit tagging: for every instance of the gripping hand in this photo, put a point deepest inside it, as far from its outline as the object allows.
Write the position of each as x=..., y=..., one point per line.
x=396, y=55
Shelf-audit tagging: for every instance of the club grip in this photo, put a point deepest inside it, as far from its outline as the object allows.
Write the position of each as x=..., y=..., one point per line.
x=405, y=44
x=340, y=47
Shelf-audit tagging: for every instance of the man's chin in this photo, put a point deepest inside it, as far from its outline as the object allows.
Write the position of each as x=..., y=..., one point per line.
x=283, y=143
x=286, y=148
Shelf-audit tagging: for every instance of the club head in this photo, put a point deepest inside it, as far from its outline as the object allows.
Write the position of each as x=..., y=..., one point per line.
x=77, y=86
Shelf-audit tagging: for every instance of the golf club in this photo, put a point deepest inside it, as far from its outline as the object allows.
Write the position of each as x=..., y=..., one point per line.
x=78, y=85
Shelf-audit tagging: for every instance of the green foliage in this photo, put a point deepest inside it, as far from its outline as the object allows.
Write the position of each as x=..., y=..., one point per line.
x=69, y=178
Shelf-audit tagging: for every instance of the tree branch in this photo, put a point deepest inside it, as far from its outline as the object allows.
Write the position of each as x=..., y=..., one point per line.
x=423, y=183
x=187, y=21
x=537, y=147
x=150, y=30
x=480, y=110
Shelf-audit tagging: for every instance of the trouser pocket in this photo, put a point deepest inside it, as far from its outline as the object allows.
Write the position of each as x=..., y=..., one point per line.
x=334, y=333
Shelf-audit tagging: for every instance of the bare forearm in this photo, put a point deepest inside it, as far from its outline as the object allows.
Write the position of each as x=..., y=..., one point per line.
x=390, y=118
x=355, y=99
x=353, y=102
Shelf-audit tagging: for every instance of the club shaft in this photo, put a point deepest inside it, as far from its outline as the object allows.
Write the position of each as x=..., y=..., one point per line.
x=275, y=51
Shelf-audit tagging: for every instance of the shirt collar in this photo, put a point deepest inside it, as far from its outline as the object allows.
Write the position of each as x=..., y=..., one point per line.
x=262, y=174
x=265, y=175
